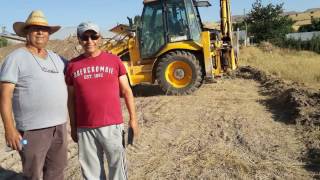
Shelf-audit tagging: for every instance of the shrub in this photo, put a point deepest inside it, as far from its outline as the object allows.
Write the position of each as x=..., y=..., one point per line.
x=312, y=45
x=3, y=42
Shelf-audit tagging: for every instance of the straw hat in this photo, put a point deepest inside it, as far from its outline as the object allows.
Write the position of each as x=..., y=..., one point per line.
x=36, y=18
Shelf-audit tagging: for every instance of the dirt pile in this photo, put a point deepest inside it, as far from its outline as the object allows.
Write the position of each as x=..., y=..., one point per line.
x=302, y=104
x=67, y=48
x=292, y=103
x=4, y=51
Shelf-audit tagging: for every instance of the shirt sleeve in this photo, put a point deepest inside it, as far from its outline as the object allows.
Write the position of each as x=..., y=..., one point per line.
x=68, y=75
x=9, y=70
x=122, y=68
x=65, y=62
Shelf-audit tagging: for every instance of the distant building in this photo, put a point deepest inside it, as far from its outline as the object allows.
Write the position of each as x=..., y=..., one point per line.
x=12, y=38
x=304, y=36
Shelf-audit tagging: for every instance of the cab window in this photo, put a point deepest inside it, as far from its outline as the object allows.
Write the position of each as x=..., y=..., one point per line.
x=152, y=32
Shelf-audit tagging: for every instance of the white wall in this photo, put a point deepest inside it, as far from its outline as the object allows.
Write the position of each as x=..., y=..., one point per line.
x=304, y=36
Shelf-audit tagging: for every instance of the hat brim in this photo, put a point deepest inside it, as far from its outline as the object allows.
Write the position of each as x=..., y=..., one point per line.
x=20, y=28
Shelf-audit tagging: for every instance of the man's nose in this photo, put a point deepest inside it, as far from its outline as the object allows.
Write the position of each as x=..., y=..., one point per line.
x=40, y=31
x=90, y=40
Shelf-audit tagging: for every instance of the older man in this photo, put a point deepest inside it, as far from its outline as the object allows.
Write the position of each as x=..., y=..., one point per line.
x=34, y=90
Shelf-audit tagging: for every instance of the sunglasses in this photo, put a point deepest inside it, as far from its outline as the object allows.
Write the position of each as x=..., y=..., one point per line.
x=38, y=28
x=92, y=37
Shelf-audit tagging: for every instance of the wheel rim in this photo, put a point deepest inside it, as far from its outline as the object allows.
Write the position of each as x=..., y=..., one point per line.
x=179, y=74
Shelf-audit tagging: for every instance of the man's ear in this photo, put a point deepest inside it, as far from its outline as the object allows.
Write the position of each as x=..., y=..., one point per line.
x=27, y=37
x=79, y=40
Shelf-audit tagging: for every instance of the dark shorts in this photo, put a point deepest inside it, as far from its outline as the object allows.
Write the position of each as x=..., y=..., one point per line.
x=45, y=155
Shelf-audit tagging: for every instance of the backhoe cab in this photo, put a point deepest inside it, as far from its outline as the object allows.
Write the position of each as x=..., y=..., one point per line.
x=170, y=46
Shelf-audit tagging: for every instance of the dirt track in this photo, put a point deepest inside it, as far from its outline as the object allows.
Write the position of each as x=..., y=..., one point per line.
x=233, y=129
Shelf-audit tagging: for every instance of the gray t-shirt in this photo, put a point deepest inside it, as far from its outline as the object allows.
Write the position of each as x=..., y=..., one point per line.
x=40, y=94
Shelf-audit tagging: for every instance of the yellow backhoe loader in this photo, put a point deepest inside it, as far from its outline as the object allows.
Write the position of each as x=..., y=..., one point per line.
x=170, y=46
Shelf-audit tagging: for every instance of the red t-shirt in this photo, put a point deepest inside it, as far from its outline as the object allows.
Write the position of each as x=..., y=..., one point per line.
x=97, y=90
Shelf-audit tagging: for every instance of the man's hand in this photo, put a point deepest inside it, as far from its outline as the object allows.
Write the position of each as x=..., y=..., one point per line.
x=13, y=138
x=72, y=114
x=134, y=125
x=129, y=100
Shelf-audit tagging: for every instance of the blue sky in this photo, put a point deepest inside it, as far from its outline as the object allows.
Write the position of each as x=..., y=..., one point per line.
x=107, y=13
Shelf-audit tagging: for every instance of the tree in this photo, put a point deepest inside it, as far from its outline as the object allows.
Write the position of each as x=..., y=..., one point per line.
x=267, y=23
x=240, y=25
x=316, y=24
x=3, y=42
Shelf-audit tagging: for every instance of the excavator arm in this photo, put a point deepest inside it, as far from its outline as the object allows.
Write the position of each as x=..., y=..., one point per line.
x=228, y=52
x=225, y=16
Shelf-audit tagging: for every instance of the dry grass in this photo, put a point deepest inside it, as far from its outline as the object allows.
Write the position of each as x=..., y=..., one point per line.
x=298, y=66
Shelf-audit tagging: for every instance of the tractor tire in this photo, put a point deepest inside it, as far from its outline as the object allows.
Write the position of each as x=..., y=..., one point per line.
x=179, y=73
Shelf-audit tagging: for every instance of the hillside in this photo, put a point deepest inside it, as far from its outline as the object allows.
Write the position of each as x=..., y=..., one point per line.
x=67, y=48
x=300, y=18
x=304, y=18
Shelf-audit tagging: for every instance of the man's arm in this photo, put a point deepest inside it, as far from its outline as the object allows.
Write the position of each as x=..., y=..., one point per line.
x=129, y=100
x=12, y=135
x=72, y=115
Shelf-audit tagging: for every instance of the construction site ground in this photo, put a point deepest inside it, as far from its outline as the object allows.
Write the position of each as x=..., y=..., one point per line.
x=248, y=125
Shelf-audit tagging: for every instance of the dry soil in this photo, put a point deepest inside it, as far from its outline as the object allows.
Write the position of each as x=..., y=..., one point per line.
x=248, y=125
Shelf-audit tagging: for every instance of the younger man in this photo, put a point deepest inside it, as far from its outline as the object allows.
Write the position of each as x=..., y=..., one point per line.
x=95, y=80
